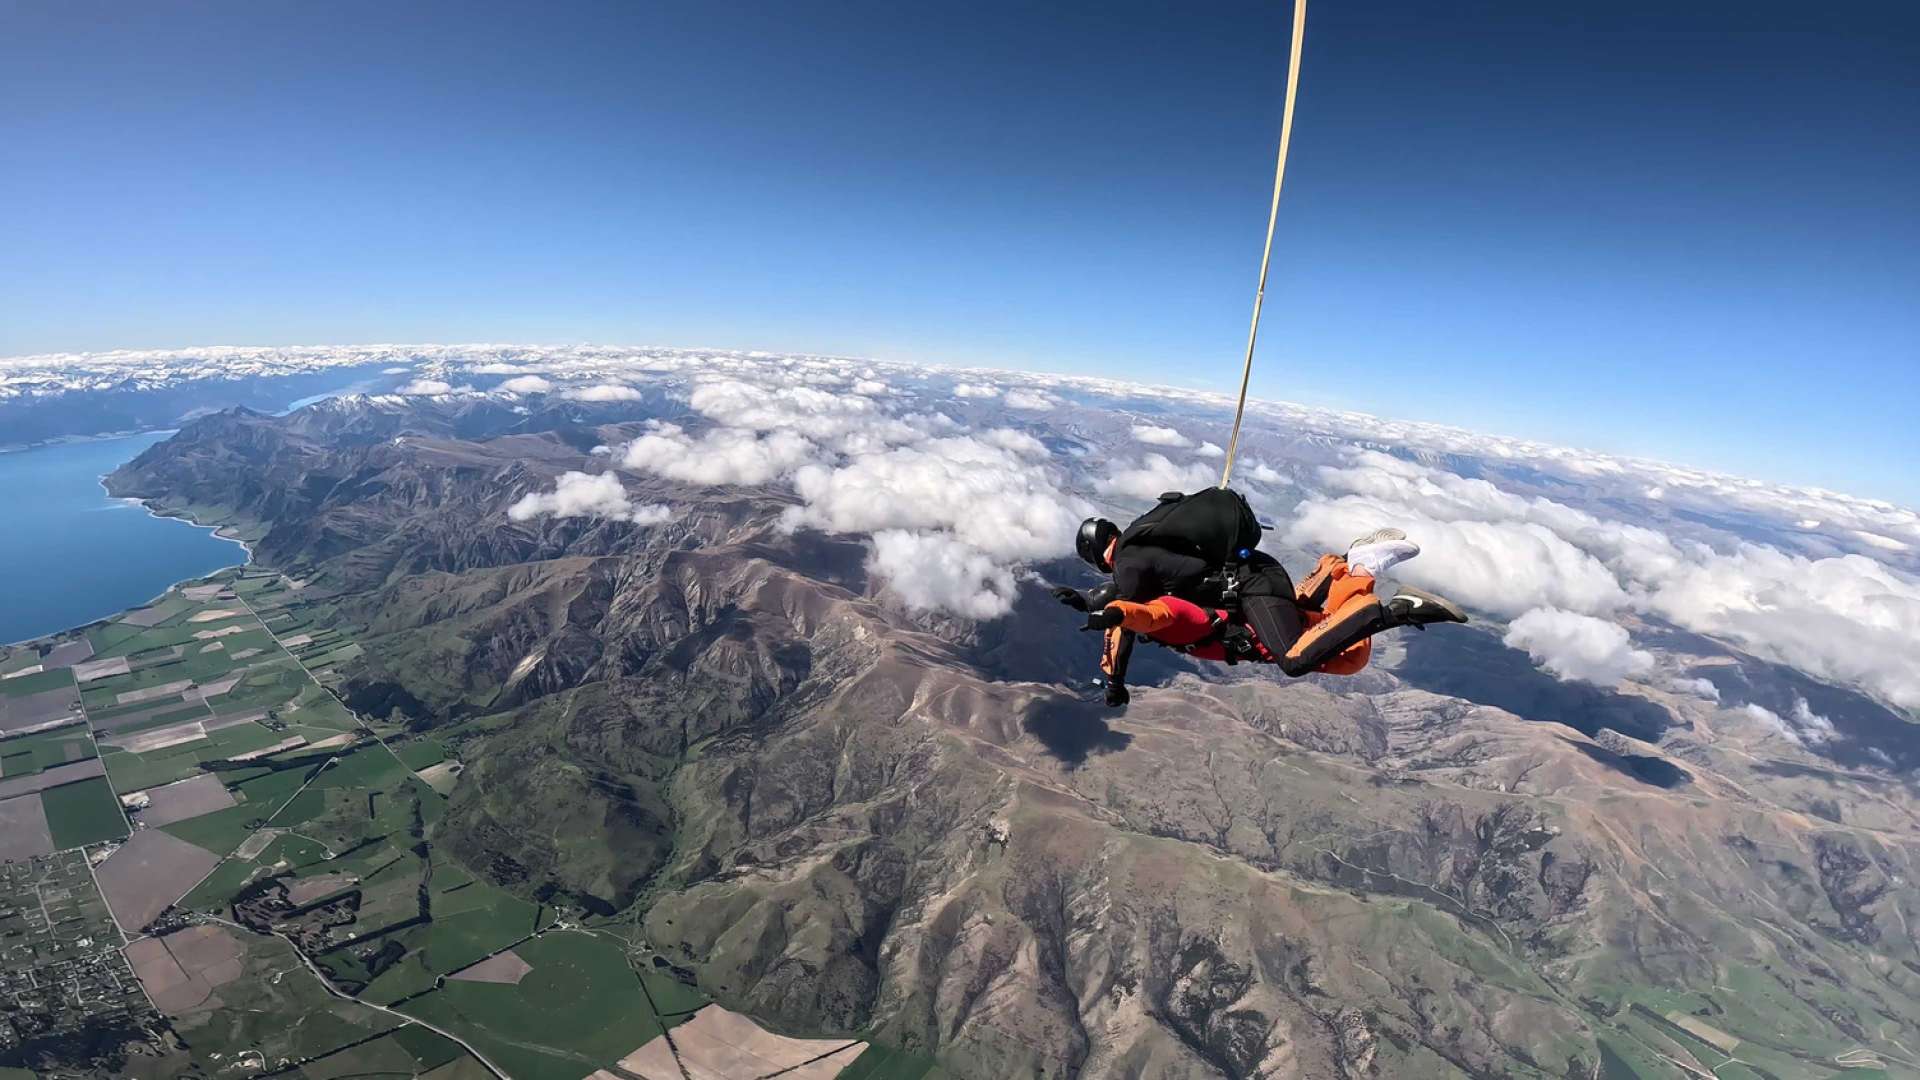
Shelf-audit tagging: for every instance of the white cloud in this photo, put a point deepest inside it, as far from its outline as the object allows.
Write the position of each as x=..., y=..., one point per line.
x=822, y=415
x=996, y=500
x=1771, y=720
x=1154, y=435
x=1029, y=400
x=1812, y=726
x=425, y=388
x=975, y=390
x=1846, y=617
x=1017, y=441
x=1153, y=476
x=1503, y=567
x=1884, y=543
x=1214, y=450
x=526, y=384
x=395, y=370
x=869, y=387
x=1263, y=473
x=972, y=506
x=950, y=516
x=579, y=494
x=604, y=392
x=1578, y=647
x=1701, y=688
x=720, y=456
x=934, y=571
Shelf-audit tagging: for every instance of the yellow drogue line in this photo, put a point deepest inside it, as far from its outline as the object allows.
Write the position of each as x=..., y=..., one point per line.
x=1273, y=216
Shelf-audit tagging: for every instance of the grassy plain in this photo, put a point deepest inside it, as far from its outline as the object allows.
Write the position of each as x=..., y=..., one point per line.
x=84, y=812
x=37, y=682
x=582, y=1004
x=28, y=754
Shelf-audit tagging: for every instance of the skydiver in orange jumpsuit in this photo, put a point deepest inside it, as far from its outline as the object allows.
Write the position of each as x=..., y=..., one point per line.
x=1325, y=624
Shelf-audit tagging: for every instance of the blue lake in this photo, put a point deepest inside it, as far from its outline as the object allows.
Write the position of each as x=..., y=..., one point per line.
x=70, y=555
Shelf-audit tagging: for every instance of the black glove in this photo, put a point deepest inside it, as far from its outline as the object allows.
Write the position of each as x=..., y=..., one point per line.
x=1070, y=597
x=1103, y=620
x=1117, y=695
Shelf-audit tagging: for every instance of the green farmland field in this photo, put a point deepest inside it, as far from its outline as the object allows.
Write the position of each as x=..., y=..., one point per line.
x=43, y=750
x=22, y=685
x=82, y=813
x=580, y=998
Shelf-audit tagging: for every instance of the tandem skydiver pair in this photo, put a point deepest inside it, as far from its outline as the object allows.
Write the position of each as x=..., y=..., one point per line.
x=1189, y=575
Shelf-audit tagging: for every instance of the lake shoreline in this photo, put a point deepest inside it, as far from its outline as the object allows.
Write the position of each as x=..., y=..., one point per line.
x=217, y=531
x=75, y=440
x=91, y=565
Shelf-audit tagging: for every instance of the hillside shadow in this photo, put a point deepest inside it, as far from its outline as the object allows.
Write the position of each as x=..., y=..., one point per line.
x=818, y=556
x=1658, y=772
x=1073, y=730
x=1478, y=667
x=1865, y=733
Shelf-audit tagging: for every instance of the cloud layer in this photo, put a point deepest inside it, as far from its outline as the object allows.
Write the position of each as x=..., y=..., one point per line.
x=868, y=452
x=950, y=512
x=1842, y=617
x=1825, y=582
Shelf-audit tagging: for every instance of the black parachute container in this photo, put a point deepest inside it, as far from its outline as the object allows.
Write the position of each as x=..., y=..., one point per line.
x=1215, y=524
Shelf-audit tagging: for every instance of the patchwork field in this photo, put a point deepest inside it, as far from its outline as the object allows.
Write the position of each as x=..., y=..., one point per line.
x=182, y=799
x=149, y=872
x=23, y=829
x=246, y=998
x=505, y=968
x=721, y=1045
x=30, y=754
x=276, y=859
x=183, y=970
x=579, y=1003
x=37, y=698
x=53, y=777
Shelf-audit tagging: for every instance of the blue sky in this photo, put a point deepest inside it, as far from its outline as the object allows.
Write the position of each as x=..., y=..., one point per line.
x=1687, y=234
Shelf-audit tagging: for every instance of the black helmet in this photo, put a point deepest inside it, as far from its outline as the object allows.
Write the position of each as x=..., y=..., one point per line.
x=1096, y=534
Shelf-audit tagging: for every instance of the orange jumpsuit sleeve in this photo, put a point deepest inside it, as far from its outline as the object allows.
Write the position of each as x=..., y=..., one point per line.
x=1137, y=618
x=1148, y=618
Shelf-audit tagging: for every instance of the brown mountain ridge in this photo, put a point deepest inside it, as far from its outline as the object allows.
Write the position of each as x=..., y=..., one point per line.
x=843, y=817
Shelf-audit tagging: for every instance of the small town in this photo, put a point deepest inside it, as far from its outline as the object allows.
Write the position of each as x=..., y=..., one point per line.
x=62, y=975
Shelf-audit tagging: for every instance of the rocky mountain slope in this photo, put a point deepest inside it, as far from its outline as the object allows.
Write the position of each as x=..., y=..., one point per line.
x=842, y=817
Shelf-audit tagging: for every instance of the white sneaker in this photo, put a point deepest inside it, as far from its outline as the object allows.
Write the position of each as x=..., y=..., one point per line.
x=1377, y=535
x=1376, y=557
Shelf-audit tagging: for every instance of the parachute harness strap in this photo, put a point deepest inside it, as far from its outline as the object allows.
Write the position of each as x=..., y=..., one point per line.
x=1273, y=216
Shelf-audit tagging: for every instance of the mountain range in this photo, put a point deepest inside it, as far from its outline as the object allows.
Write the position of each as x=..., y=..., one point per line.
x=842, y=803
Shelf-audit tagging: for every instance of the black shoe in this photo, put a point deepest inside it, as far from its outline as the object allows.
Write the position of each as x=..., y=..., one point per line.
x=1417, y=608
